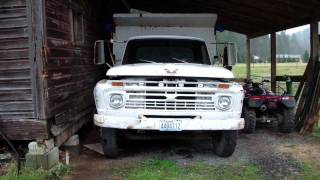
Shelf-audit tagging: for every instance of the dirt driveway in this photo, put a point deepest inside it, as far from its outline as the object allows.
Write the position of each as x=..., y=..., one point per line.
x=276, y=154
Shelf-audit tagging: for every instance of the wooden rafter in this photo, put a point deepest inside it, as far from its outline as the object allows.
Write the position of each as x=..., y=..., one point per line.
x=250, y=17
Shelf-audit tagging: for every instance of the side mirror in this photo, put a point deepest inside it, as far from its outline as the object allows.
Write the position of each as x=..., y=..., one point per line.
x=229, y=68
x=229, y=55
x=99, y=52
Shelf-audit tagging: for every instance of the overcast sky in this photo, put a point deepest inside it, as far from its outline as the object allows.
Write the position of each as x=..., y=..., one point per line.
x=297, y=29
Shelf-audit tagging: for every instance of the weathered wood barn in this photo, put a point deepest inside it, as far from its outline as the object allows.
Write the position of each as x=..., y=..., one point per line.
x=47, y=73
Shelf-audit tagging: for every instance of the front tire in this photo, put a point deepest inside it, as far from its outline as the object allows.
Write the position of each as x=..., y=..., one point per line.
x=224, y=143
x=109, y=142
x=286, y=125
x=250, y=120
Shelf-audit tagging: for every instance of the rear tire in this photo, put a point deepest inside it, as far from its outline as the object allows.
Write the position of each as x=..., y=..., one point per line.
x=224, y=143
x=109, y=142
x=250, y=121
x=286, y=125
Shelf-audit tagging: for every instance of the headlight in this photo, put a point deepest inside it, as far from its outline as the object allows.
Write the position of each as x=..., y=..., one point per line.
x=224, y=102
x=116, y=101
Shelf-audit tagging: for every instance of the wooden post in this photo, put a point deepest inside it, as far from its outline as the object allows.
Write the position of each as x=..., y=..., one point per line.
x=313, y=82
x=248, y=59
x=314, y=42
x=273, y=62
x=310, y=95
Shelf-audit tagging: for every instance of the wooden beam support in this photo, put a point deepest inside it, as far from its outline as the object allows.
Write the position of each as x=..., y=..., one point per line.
x=248, y=59
x=309, y=98
x=273, y=62
x=305, y=7
x=25, y=129
x=70, y=129
x=249, y=17
x=314, y=42
x=313, y=81
x=36, y=20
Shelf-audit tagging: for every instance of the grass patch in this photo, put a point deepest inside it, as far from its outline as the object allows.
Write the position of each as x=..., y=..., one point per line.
x=311, y=171
x=316, y=132
x=264, y=70
x=259, y=70
x=55, y=173
x=164, y=169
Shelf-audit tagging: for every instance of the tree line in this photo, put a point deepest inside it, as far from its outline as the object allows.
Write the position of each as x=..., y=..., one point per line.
x=290, y=44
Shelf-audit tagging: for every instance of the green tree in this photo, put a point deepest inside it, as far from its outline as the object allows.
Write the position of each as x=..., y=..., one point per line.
x=296, y=43
x=306, y=56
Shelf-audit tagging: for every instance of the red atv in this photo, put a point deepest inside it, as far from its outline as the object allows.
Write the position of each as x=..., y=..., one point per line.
x=263, y=106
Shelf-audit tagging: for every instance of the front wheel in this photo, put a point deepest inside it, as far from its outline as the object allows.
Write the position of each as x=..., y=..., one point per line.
x=109, y=142
x=224, y=142
x=250, y=120
x=286, y=124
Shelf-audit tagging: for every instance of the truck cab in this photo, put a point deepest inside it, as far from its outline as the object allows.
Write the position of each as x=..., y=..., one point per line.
x=166, y=85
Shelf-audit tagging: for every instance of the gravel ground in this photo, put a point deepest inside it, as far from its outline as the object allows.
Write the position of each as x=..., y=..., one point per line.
x=271, y=151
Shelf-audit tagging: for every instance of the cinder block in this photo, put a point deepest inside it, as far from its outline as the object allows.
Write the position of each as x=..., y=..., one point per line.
x=72, y=145
x=72, y=141
x=44, y=160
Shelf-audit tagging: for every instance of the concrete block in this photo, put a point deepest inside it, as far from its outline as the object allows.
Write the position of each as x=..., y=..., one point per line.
x=72, y=145
x=5, y=157
x=72, y=141
x=39, y=157
x=36, y=148
x=53, y=157
x=73, y=149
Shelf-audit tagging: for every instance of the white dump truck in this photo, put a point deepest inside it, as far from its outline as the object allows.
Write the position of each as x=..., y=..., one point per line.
x=163, y=83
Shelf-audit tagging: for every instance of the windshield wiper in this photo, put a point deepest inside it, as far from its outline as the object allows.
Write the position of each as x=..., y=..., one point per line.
x=180, y=60
x=145, y=60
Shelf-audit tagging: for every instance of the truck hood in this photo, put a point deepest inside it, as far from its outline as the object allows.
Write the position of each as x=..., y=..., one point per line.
x=170, y=70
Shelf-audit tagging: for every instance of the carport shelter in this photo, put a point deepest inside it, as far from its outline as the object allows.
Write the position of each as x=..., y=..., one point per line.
x=46, y=52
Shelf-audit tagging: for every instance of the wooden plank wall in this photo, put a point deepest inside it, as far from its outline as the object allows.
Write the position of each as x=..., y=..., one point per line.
x=69, y=70
x=15, y=76
x=17, y=111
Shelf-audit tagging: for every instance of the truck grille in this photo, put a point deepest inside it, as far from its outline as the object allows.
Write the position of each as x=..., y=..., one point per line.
x=170, y=100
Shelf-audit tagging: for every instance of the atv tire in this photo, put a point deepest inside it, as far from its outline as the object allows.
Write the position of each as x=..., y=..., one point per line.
x=286, y=124
x=224, y=142
x=109, y=142
x=250, y=120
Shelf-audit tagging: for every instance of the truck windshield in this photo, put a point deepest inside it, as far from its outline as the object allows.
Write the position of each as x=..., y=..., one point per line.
x=166, y=51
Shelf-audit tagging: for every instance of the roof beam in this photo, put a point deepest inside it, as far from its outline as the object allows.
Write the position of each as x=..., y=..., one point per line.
x=251, y=8
x=251, y=17
x=304, y=6
x=272, y=8
x=245, y=17
x=282, y=27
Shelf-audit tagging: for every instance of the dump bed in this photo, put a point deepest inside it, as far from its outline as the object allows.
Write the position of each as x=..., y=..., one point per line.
x=132, y=25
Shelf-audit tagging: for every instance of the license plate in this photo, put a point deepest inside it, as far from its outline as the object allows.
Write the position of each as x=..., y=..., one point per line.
x=170, y=125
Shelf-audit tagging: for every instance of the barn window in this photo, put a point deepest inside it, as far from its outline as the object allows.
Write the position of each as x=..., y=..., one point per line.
x=77, y=29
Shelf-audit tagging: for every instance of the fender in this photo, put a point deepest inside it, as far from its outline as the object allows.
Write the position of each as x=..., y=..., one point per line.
x=288, y=102
x=254, y=101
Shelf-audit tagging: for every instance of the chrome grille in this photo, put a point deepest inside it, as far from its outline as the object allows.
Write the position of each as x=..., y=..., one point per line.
x=170, y=100
x=168, y=83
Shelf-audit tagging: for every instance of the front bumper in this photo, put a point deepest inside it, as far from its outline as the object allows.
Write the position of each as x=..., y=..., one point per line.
x=188, y=124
